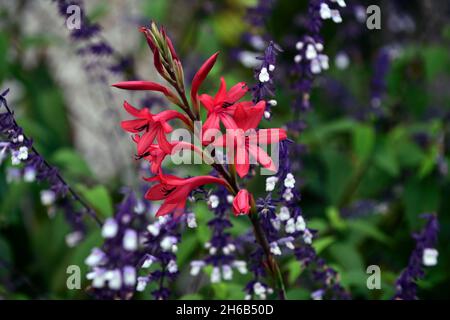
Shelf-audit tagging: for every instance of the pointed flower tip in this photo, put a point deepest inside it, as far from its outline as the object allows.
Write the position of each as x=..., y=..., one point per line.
x=201, y=75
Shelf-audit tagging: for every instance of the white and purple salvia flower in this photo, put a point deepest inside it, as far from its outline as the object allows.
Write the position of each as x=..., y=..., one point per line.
x=264, y=88
x=424, y=254
x=257, y=16
x=430, y=257
x=213, y=201
x=378, y=85
x=148, y=261
x=287, y=228
x=130, y=240
x=114, y=265
x=36, y=168
x=326, y=277
x=160, y=246
x=169, y=243
x=270, y=183
x=318, y=294
x=129, y=248
x=221, y=247
x=196, y=267
x=310, y=59
x=191, y=220
x=110, y=228
x=93, y=46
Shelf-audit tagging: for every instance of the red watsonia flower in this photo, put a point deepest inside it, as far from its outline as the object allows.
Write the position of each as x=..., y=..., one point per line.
x=222, y=106
x=244, y=142
x=175, y=191
x=154, y=155
x=153, y=125
x=241, y=203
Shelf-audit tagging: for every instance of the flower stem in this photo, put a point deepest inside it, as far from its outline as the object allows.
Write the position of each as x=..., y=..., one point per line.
x=261, y=238
x=233, y=187
x=74, y=194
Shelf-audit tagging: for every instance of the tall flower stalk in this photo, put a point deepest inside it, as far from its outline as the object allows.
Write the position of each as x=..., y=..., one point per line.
x=35, y=167
x=224, y=108
x=424, y=254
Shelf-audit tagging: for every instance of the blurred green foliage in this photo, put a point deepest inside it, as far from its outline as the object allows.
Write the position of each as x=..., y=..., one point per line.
x=347, y=160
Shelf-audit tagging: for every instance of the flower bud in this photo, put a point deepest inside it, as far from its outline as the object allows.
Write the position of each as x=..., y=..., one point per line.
x=241, y=203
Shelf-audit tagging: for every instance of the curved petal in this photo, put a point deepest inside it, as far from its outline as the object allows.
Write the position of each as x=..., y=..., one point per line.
x=165, y=209
x=135, y=112
x=220, y=141
x=212, y=122
x=221, y=93
x=201, y=75
x=228, y=121
x=242, y=163
x=262, y=157
x=237, y=92
x=146, y=141
x=134, y=126
x=248, y=117
x=268, y=136
x=207, y=101
x=156, y=192
x=165, y=145
x=145, y=85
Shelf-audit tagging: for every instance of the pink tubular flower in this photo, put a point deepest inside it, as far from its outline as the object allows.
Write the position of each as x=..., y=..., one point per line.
x=246, y=140
x=175, y=191
x=222, y=106
x=153, y=125
x=241, y=203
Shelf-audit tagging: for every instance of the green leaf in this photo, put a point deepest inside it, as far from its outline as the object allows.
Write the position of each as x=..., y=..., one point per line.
x=339, y=172
x=335, y=219
x=156, y=9
x=191, y=296
x=368, y=230
x=294, y=269
x=11, y=201
x=187, y=246
x=99, y=198
x=298, y=294
x=436, y=61
x=71, y=162
x=387, y=161
x=420, y=196
x=228, y=26
x=363, y=141
x=322, y=243
x=347, y=255
x=235, y=291
x=3, y=55
x=5, y=255
x=324, y=131
x=428, y=163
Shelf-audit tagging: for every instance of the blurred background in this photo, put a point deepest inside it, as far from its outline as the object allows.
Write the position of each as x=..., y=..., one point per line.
x=372, y=152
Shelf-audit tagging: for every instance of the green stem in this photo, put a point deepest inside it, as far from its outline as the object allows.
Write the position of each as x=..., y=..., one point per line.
x=261, y=238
